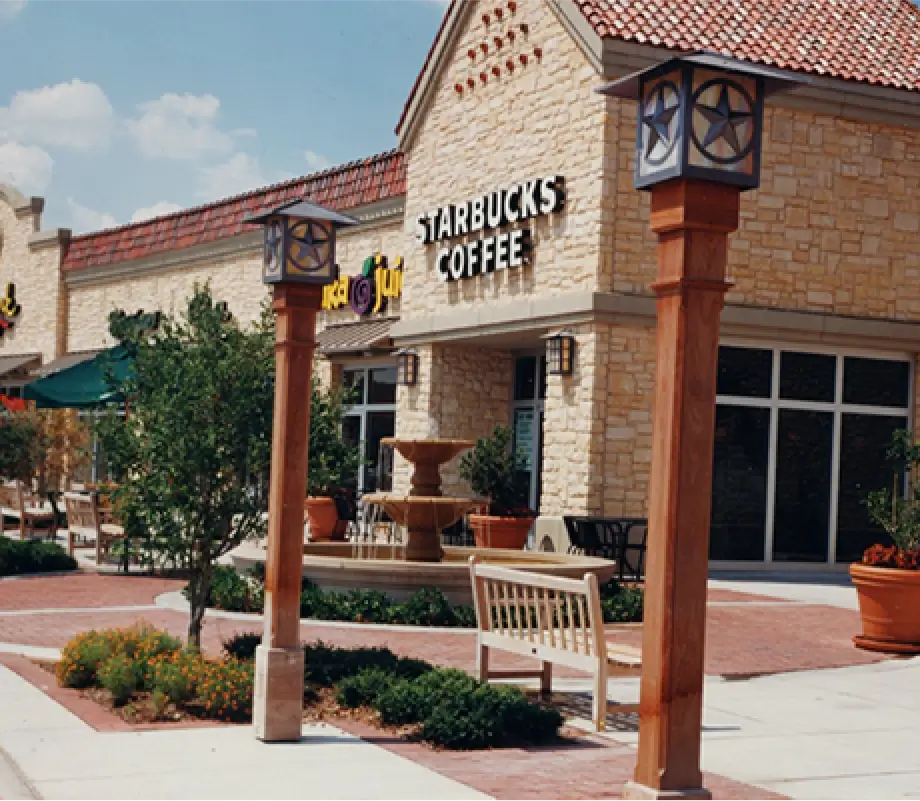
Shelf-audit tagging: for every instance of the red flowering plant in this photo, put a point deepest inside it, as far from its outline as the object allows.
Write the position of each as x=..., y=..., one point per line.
x=897, y=510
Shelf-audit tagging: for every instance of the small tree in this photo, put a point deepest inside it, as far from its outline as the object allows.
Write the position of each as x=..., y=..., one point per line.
x=62, y=446
x=898, y=510
x=18, y=446
x=196, y=439
x=494, y=470
x=333, y=462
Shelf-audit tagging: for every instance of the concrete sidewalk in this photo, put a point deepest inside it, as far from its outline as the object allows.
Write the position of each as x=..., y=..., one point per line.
x=56, y=755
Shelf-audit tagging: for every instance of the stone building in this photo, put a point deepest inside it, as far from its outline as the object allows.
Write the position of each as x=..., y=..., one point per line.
x=509, y=210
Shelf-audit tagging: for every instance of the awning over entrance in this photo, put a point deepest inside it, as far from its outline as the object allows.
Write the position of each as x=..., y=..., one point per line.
x=83, y=385
x=64, y=362
x=355, y=337
x=11, y=365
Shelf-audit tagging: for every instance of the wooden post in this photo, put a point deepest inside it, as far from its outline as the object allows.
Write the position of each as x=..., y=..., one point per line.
x=278, y=701
x=692, y=220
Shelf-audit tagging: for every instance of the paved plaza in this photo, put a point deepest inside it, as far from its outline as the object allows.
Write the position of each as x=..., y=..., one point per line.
x=791, y=710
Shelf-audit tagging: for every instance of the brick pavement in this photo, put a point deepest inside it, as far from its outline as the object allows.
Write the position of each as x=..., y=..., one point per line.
x=78, y=590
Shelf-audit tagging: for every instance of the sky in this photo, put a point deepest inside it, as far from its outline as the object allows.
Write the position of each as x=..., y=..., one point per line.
x=118, y=111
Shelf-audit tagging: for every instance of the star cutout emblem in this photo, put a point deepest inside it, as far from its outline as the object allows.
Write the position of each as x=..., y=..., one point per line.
x=658, y=121
x=724, y=121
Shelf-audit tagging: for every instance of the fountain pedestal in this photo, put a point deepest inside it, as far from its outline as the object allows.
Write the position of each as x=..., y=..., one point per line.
x=424, y=511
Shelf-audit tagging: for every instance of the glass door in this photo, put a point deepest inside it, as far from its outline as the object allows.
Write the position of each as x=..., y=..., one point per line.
x=527, y=421
x=371, y=419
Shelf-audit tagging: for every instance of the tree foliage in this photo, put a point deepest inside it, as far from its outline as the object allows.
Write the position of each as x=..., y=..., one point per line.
x=333, y=462
x=18, y=446
x=898, y=510
x=494, y=470
x=193, y=450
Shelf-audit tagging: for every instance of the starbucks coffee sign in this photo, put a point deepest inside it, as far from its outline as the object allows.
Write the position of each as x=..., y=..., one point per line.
x=491, y=252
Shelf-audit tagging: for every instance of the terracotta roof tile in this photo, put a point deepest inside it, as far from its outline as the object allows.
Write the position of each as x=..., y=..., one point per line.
x=341, y=188
x=870, y=41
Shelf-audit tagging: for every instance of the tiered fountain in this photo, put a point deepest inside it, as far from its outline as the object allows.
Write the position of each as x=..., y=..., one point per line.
x=400, y=570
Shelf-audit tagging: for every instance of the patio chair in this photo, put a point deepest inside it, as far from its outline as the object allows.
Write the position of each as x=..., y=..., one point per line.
x=86, y=519
x=622, y=539
x=27, y=512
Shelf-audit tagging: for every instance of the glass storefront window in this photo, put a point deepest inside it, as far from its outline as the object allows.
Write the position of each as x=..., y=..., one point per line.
x=525, y=378
x=354, y=379
x=745, y=372
x=381, y=385
x=876, y=382
x=793, y=462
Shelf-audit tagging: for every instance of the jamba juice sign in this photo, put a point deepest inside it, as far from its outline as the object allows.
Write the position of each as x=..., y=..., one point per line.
x=9, y=308
x=366, y=293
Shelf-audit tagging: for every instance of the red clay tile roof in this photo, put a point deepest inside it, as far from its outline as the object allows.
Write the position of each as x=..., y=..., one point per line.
x=341, y=188
x=872, y=41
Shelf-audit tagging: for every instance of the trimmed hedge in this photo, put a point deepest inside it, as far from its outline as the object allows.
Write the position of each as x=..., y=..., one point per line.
x=426, y=607
x=20, y=557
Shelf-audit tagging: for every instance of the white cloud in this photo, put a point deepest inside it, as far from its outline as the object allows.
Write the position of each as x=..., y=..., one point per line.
x=86, y=219
x=28, y=168
x=240, y=173
x=180, y=127
x=315, y=161
x=156, y=210
x=10, y=9
x=74, y=115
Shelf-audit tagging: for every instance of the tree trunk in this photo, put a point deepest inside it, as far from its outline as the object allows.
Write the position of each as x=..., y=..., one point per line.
x=199, y=590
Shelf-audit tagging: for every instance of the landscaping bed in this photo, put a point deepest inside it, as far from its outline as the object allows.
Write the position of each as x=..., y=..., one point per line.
x=22, y=557
x=428, y=606
x=143, y=675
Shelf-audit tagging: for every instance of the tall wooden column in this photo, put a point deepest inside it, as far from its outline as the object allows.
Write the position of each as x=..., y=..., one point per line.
x=692, y=219
x=278, y=702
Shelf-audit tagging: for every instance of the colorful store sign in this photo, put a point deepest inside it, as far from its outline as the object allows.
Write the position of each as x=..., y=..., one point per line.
x=366, y=293
x=9, y=308
x=491, y=212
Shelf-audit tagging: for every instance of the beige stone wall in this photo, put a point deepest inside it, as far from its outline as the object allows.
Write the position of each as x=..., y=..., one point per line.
x=462, y=393
x=834, y=227
x=236, y=280
x=542, y=119
x=35, y=270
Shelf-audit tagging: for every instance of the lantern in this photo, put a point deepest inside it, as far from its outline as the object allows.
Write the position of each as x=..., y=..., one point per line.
x=700, y=117
x=406, y=367
x=299, y=243
x=560, y=353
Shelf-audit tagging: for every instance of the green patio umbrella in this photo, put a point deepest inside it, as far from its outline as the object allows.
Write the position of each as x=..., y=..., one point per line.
x=83, y=386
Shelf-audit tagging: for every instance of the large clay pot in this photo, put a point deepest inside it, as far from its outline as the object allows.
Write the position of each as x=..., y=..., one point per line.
x=500, y=532
x=889, y=604
x=323, y=517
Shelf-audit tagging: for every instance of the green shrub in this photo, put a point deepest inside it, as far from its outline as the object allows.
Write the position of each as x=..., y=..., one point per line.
x=118, y=675
x=464, y=617
x=411, y=701
x=149, y=652
x=363, y=688
x=326, y=665
x=177, y=675
x=366, y=606
x=81, y=658
x=243, y=646
x=18, y=557
x=621, y=603
x=225, y=689
x=426, y=607
x=489, y=717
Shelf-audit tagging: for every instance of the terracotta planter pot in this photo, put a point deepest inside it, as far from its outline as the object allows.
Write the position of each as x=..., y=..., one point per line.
x=323, y=518
x=500, y=532
x=889, y=604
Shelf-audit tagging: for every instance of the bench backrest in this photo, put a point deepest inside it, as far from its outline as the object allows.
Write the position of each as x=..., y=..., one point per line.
x=82, y=513
x=550, y=611
x=9, y=496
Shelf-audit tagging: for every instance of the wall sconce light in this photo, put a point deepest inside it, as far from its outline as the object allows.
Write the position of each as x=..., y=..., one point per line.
x=560, y=353
x=406, y=367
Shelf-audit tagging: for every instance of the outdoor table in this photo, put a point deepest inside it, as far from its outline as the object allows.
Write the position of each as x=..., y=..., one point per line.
x=609, y=538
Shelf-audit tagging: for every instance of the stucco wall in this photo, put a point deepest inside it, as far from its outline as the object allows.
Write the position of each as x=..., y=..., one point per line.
x=34, y=269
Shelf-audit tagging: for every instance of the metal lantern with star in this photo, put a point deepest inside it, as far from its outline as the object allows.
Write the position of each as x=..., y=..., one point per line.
x=701, y=117
x=299, y=243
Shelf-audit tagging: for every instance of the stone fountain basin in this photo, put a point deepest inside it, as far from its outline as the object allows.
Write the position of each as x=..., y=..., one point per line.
x=333, y=566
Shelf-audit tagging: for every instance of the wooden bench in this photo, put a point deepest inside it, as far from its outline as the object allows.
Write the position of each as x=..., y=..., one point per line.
x=28, y=513
x=555, y=620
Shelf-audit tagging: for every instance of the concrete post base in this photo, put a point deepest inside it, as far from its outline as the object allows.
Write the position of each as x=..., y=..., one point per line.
x=278, y=697
x=640, y=791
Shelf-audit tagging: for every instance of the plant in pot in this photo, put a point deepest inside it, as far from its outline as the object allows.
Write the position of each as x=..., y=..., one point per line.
x=888, y=578
x=496, y=471
x=333, y=462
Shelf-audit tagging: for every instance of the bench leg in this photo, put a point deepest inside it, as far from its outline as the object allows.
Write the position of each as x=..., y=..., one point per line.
x=546, y=679
x=599, y=712
x=482, y=662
